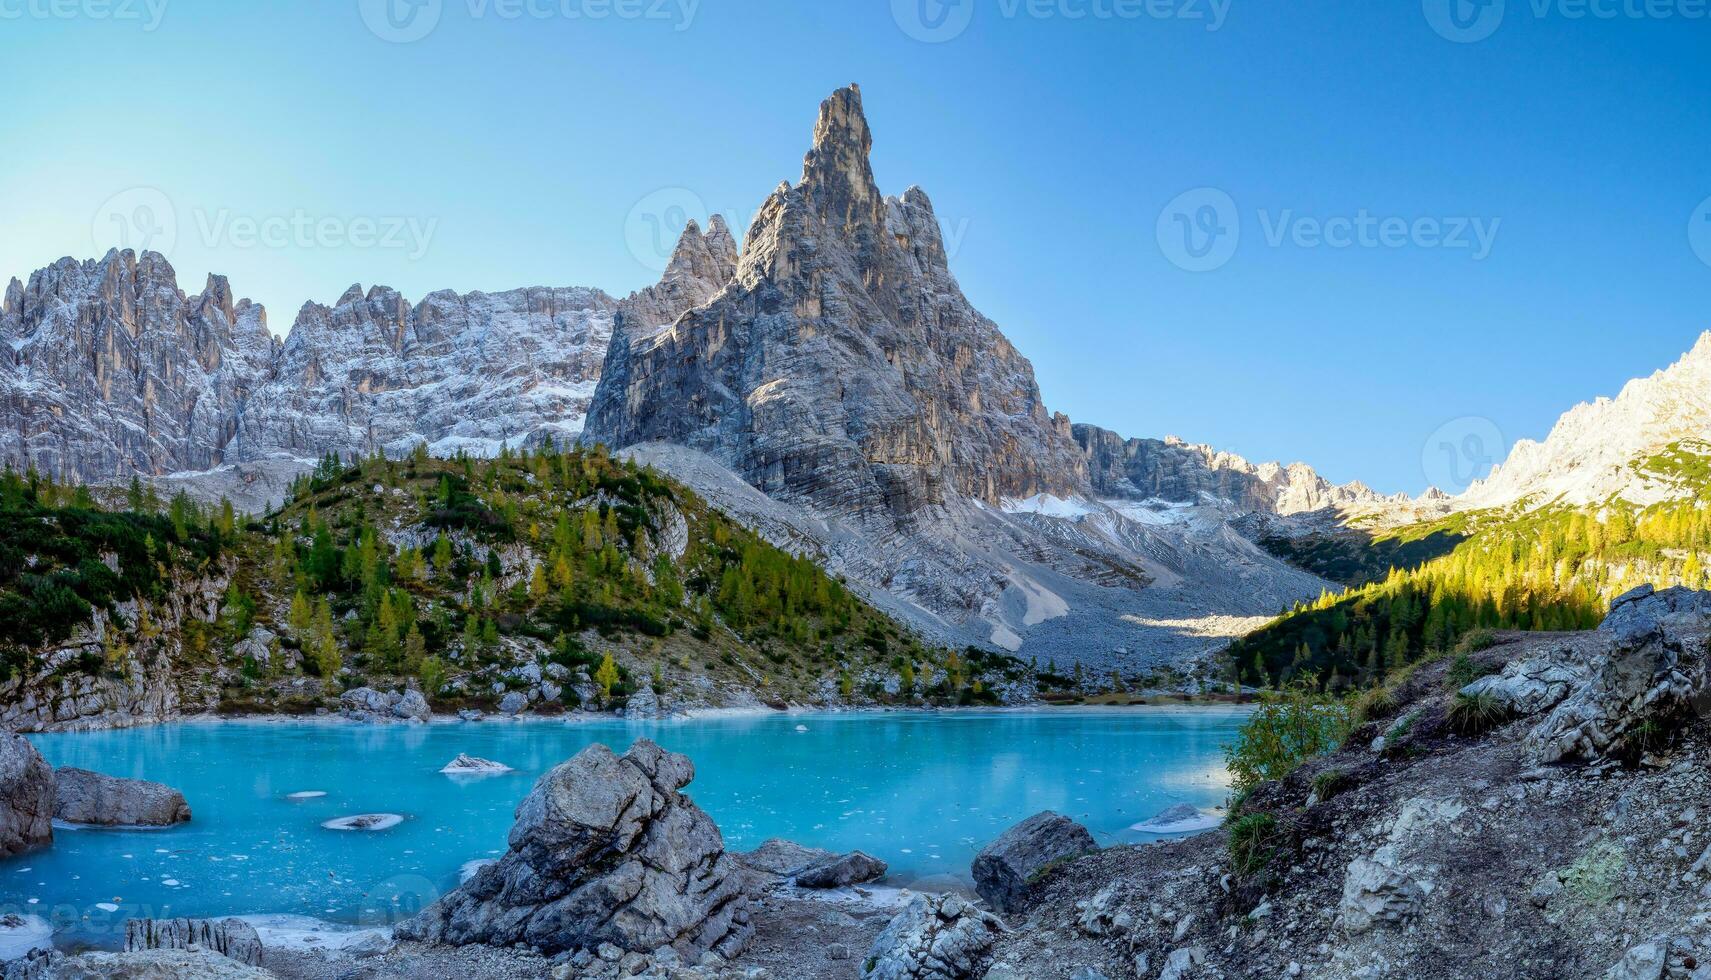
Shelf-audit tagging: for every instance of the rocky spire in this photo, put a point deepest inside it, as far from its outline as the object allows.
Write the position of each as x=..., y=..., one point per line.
x=836, y=175
x=14, y=301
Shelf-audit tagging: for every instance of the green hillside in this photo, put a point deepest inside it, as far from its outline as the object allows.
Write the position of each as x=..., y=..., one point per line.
x=1555, y=568
x=447, y=575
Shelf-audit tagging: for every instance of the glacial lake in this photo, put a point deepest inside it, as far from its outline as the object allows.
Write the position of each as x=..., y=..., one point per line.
x=923, y=791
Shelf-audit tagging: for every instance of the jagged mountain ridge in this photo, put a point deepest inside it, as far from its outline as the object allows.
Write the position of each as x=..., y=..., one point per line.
x=1601, y=448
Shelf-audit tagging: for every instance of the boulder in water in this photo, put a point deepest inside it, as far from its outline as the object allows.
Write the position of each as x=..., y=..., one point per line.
x=26, y=796
x=605, y=850
x=469, y=765
x=96, y=799
x=1182, y=818
x=232, y=938
x=1004, y=870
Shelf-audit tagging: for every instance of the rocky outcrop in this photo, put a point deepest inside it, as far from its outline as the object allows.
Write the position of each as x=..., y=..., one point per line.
x=85, y=797
x=365, y=704
x=232, y=938
x=1172, y=470
x=935, y=937
x=26, y=796
x=843, y=365
x=1651, y=666
x=469, y=765
x=107, y=368
x=159, y=964
x=841, y=871
x=605, y=850
x=1008, y=867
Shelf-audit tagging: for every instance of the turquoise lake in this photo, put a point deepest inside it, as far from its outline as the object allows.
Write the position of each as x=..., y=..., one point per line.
x=923, y=791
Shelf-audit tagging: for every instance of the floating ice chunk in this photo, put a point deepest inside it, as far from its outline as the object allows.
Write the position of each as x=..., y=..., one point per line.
x=801, y=728
x=308, y=794
x=365, y=821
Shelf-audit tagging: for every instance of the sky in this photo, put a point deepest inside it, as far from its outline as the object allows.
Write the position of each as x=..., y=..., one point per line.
x=1386, y=239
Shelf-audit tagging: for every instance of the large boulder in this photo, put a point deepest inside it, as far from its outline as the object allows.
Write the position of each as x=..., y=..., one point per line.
x=935, y=937
x=412, y=706
x=1654, y=666
x=1376, y=892
x=233, y=938
x=778, y=860
x=107, y=801
x=369, y=705
x=1007, y=868
x=605, y=849
x=26, y=796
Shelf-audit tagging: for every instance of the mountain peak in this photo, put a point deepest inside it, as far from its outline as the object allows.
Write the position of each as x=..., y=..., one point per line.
x=835, y=174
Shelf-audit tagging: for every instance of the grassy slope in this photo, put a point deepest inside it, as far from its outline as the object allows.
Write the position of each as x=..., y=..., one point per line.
x=450, y=574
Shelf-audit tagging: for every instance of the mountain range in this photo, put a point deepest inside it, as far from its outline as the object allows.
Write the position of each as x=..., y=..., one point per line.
x=828, y=384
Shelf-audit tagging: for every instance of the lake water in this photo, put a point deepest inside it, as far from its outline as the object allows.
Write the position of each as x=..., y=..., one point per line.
x=923, y=791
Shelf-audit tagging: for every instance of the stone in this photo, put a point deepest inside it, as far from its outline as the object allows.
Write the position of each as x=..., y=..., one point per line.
x=513, y=702
x=85, y=797
x=412, y=706
x=1645, y=961
x=1376, y=893
x=1007, y=868
x=642, y=704
x=26, y=796
x=232, y=938
x=605, y=849
x=1654, y=661
x=469, y=714
x=935, y=937
x=469, y=765
x=1181, y=962
x=842, y=871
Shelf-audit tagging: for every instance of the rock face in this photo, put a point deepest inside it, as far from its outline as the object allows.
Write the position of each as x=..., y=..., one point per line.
x=26, y=796
x=107, y=368
x=86, y=797
x=470, y=372
x=1005, y=869
x=1179, y=472
x=232, y=938
x=1656, y=667
x=606, y=849
x=1602, y=448
x=935, y=937
x=843, y=365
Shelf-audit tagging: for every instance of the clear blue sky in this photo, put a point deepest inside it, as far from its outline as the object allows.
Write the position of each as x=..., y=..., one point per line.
x=537, y=149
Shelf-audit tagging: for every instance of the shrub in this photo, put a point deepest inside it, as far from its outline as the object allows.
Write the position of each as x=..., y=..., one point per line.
x=1476, y=640
x=1374, y=704
x=1284, y=732
x=1251, y=841
x=1329, y=783
x=1476, y=714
